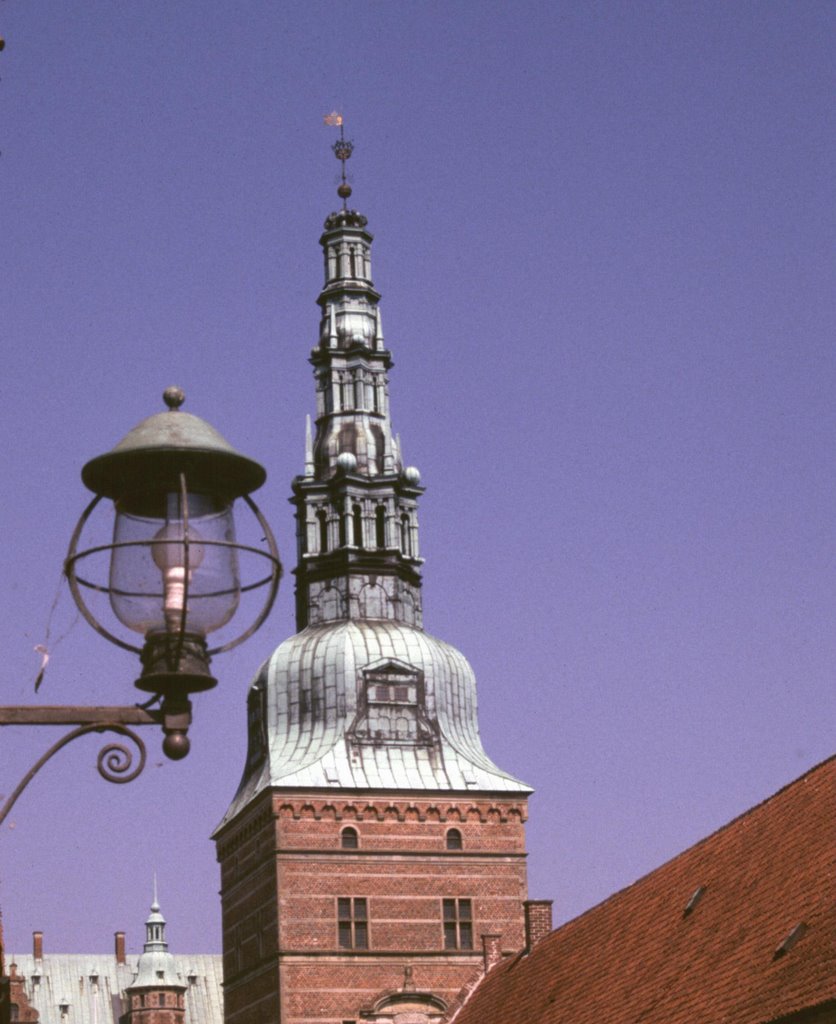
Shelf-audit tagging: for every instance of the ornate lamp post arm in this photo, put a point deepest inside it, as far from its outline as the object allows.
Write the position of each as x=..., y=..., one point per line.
x=115, y=761
x=172, y=576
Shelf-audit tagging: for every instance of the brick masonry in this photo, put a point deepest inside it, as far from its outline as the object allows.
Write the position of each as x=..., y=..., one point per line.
x=283, y=869
x=538, y=921
x=165, y=1005
x=14, y=1003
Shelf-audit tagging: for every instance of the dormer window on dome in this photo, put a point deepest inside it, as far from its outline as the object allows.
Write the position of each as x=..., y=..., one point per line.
x=391, y=706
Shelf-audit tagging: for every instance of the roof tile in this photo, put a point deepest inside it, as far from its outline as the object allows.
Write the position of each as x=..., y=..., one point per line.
x=637, y=957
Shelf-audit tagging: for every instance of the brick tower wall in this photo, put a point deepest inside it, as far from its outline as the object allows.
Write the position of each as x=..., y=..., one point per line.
x=247, y=856
x=284, y=871
x=155, y=1006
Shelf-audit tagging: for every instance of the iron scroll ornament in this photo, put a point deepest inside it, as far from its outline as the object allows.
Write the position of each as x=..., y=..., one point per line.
x=115, y=761
x=174, y=658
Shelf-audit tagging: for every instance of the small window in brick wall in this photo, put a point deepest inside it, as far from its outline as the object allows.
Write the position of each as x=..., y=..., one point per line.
x=454, y=839
x=352, y=923
x=458, y=924
x=349, y=840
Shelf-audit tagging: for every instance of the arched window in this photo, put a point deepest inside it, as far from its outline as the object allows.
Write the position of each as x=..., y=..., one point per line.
x=454, y=839
x=349, y=840
x=322, y=519
x=380, y=526
x=357, y=517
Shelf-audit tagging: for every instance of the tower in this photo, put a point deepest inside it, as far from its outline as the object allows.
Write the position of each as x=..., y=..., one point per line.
x=371, y=843
x=157, y=993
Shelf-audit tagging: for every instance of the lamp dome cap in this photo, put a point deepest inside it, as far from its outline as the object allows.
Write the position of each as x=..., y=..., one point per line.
x=154, y=454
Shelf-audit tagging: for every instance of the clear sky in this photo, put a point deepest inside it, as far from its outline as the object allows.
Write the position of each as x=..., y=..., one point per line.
x=604, y=239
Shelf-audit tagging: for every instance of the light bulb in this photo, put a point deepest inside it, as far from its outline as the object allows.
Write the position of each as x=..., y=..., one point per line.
x=169, y=553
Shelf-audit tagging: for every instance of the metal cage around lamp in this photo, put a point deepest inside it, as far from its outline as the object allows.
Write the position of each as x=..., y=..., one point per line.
x=174, y=573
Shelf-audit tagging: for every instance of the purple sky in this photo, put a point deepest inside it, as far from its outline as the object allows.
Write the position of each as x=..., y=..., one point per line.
x=604, y=242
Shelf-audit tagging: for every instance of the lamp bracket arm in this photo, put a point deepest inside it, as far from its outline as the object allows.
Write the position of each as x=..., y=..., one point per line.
x=115, y=761
x=72, y=714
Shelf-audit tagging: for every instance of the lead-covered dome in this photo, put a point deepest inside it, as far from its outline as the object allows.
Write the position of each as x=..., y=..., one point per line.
x=366, y=704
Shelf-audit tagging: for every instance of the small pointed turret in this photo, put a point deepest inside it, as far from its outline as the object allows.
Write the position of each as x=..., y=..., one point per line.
x=156, y=995
x=156, y=964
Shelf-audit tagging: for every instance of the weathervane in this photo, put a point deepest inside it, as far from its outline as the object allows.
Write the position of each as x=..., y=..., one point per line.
x=343, y=148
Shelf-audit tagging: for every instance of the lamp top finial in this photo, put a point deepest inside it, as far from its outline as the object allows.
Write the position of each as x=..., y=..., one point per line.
x=174, y=397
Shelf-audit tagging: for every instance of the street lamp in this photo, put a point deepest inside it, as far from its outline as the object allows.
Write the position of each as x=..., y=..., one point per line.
x=172, y=574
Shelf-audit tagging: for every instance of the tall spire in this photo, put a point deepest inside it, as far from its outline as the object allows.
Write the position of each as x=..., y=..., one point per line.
x=361, y=697
x=356, y=504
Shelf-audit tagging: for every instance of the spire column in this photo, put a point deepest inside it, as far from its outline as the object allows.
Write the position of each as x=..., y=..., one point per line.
x=352, y=465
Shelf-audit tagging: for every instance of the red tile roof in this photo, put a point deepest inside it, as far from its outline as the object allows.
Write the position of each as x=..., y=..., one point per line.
x=638, y=957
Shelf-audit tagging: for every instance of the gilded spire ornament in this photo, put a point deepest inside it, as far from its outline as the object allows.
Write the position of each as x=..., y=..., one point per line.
x=343, y=148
